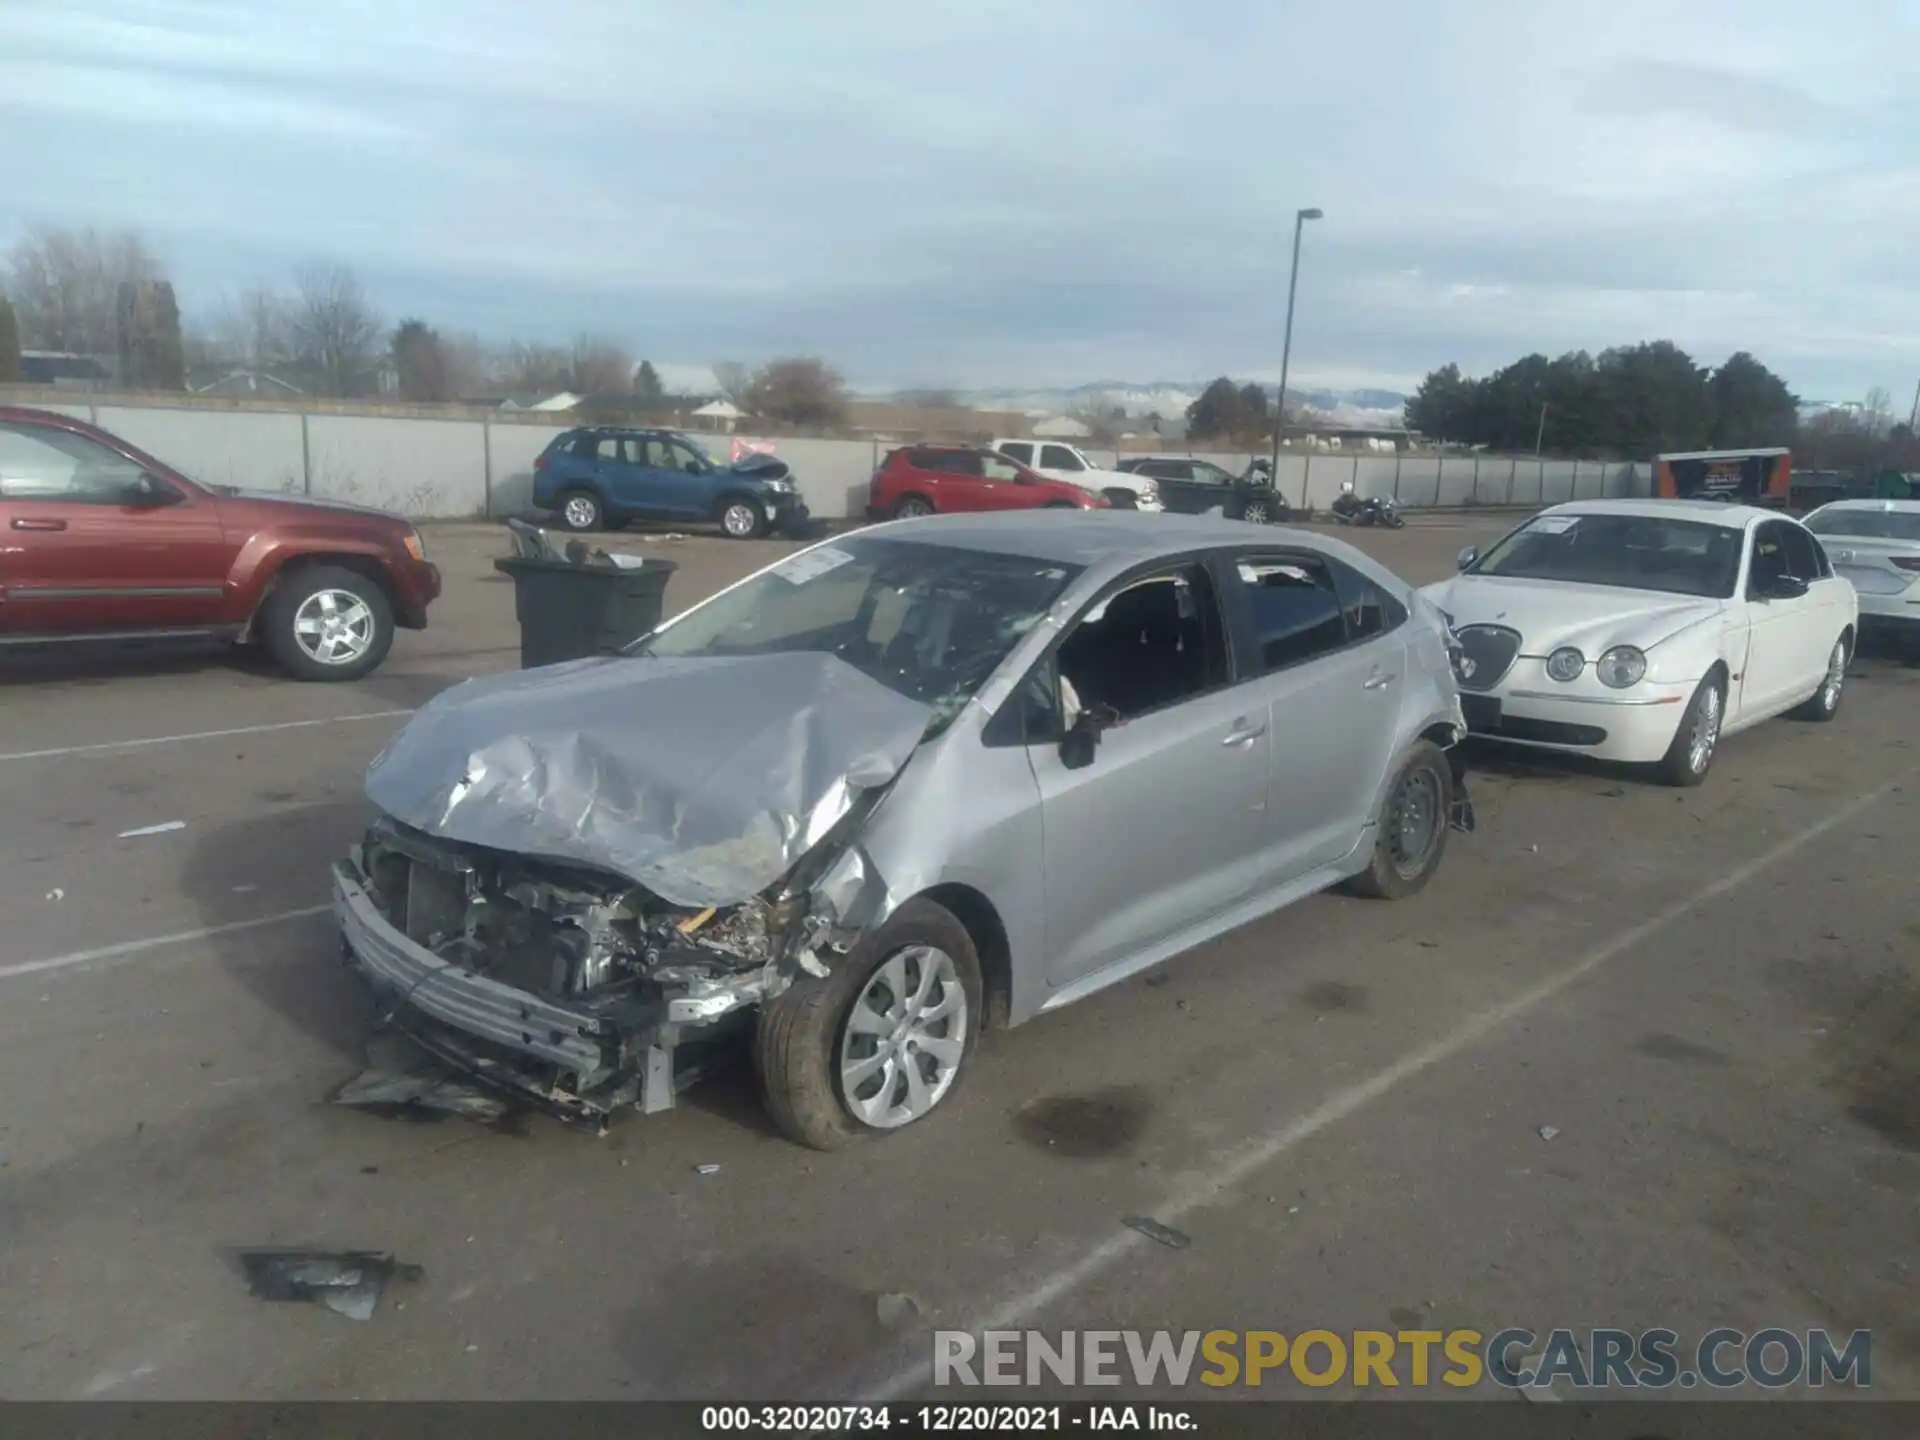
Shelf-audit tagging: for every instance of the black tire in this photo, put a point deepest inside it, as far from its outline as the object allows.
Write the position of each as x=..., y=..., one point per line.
x=580, y=511
x=741, y=517
x=1424, y=778
x=281, y=619
x=1824, y=703
x=1257, y=511
x=912, y=507
x=800, y=1030
x=1680, y=767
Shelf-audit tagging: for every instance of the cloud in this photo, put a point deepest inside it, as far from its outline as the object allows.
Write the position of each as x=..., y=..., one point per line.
x=1019, y=193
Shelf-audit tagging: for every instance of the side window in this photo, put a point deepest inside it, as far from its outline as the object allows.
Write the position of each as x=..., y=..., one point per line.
x=46, y=464
x=956, y=462
x=994, y=467
x=584, y=447
x=684, y=457
x=1157, y=641
x=1803, y=555
x=1769, y=558
x=1294, y=608
x=1369, y=610
x=1018, y=450
x=1059, y=457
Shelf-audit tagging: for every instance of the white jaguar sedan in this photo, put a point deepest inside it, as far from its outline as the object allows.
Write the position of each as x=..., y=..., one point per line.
x=1646, y=630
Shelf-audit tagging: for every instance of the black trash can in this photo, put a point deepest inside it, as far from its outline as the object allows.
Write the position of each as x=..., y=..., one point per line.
x=570, y=611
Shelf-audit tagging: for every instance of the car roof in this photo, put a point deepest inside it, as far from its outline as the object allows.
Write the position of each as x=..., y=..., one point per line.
x=1091, y=537
x=1873, y=502
x=1705, y=512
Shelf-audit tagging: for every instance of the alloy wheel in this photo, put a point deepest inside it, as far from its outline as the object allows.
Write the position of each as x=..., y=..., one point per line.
x=1706, y=731
x=580, y=512
x=1836, y=676
x=739, y=520
x=334, y=627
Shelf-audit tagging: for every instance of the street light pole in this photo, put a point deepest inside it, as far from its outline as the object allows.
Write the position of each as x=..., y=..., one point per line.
x=1540, y=435
x=1286, y=346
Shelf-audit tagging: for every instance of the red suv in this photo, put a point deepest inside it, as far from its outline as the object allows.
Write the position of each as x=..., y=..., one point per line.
x=930, y=479
x=100, y=541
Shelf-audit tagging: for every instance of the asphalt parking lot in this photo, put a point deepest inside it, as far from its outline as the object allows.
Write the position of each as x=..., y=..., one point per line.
x=1711, y=999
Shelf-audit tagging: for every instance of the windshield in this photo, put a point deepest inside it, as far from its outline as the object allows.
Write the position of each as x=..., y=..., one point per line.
x=1876, y=524
x=1635, y=552
x=930, y=622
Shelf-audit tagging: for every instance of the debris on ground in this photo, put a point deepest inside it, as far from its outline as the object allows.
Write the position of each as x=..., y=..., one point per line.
x=403, y=1082
x=1154, y=982
x=160, y=829
x=897, y=1308
x=56, y=893
x=706, y=1169
x=347, y=1282
x=1154, y=1230
x=1547, y=1132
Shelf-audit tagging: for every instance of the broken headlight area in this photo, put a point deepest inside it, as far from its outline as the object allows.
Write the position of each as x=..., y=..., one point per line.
x=571, y=985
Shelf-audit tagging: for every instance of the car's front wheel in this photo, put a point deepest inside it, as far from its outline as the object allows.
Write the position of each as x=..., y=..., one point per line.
x=912, y=507
x=879, y=1042
x=327, y=623
x=741, y=518
x=580, y=511
x=1691, y=754
x=1257, y=512
x=1411, y=837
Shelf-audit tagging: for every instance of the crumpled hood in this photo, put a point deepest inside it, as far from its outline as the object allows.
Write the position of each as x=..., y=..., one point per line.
x=759, y=467
x=703, y=780
x=304, y=502
x=1551, y=613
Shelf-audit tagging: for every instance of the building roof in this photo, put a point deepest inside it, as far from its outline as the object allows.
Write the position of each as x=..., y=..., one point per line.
x=720, y=410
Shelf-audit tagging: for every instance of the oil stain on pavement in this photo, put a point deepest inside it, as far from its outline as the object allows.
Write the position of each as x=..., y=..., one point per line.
x=1093, y=1126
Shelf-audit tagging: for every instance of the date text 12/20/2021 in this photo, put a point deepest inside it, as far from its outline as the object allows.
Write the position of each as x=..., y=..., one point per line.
x=944, y=1419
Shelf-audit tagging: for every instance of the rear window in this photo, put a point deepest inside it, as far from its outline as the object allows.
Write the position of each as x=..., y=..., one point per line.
x=1866, y=524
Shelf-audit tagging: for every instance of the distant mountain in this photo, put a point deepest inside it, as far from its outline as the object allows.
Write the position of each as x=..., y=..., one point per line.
x=1172, y=397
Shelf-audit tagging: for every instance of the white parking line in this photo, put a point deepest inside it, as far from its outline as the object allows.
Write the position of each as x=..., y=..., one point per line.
x=1227, y=1169
x=153, y=942
x=107, y=745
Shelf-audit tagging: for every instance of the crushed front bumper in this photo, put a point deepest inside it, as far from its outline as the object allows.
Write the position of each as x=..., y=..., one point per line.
x=577, y=1060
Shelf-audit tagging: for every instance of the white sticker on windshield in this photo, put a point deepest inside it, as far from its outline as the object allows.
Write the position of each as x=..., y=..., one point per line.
x=811, y=564
x=1554, y=524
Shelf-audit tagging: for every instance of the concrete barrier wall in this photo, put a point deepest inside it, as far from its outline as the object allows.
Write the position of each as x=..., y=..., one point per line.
x=432, y=468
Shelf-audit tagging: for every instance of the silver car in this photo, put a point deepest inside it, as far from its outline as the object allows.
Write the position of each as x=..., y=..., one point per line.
x=907, y=783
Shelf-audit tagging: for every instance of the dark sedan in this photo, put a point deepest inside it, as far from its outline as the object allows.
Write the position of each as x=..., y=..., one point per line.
x=1197, y=487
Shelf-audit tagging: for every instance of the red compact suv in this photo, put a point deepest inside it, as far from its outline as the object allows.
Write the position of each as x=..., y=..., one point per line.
x=100, y=541
x=937, y=479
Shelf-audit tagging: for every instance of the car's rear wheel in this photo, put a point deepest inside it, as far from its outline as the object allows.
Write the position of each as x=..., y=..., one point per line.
x=742, y=518
x=327, y=623
x=1824, y=703
x=1697, y=739
x=580, y=511
x=1411, y=837
x=912, y=507
x=881, y=1041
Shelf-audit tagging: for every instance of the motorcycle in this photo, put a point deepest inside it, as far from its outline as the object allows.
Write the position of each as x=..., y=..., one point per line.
x=1352, y=509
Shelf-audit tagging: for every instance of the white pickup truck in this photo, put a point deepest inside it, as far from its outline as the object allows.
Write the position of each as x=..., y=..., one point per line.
x=1059, y=461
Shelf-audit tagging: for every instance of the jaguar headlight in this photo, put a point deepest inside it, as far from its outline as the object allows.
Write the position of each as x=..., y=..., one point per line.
x=1565, y=664
x=1622, y=666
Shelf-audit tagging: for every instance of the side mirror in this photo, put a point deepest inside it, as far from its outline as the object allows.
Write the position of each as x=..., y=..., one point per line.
x=692, y=467
x=1786, y=587
x=151, y=494
x=1467, y=557
x=1080, y=741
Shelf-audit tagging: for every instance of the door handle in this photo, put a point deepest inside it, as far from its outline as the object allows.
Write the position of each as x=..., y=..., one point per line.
x=28, y=523
x=1379, y=680
x=1243, y=731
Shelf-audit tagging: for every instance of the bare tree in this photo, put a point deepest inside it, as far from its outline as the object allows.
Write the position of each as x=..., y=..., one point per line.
x=254, y=331
x=733, y=380
x=1877, y=411
x=65, y=286
x=799, y=390
x=336, y=333
x=520, y=366
x=9, y=344
x=600, y=366
x=420, y=360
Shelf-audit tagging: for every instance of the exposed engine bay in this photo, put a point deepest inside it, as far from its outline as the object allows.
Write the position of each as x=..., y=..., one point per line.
x=572, y=984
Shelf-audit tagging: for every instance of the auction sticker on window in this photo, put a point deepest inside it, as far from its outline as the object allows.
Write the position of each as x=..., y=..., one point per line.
x=1554, y=524
x=811, y=564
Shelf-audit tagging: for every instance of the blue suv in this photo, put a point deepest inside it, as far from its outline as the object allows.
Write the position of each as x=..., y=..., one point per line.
x=603, y=476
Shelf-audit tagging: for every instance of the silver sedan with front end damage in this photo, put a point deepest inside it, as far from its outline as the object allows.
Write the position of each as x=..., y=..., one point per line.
x=902, y=785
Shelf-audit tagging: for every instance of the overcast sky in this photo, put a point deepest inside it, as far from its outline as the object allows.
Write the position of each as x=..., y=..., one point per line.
x=1017, y=191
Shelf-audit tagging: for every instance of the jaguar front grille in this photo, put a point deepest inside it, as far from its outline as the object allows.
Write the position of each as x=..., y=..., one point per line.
x=1486, y=654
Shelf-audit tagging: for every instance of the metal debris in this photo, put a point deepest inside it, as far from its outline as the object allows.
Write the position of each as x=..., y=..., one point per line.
x=347, y=1282
x=1547, y=1132
x=707, y=1169
x=1154, y=1230
x=56, y=893
x=421, y=1094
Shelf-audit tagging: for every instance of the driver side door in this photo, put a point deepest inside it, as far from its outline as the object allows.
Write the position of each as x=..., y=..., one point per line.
x=91, y=543
x=1787, y=644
